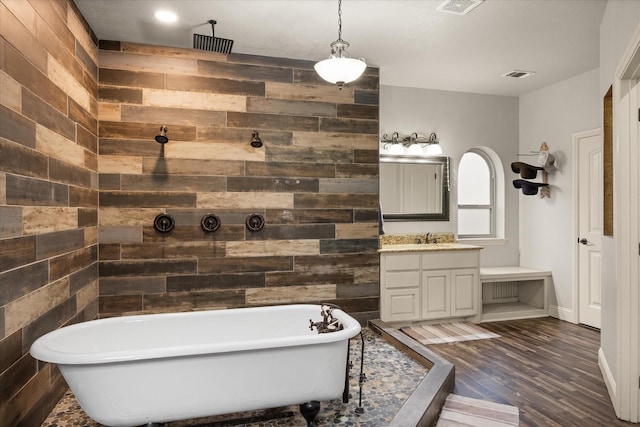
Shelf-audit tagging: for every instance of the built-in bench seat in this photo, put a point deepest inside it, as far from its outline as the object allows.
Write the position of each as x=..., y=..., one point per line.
x=513, y=293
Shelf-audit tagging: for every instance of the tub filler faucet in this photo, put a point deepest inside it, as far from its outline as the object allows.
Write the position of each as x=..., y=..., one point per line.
x=328, y=323
x=310, y=410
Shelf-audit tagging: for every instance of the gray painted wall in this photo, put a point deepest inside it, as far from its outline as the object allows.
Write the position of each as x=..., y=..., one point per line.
x=619, y=22
x=461, y=121
x=553, y=115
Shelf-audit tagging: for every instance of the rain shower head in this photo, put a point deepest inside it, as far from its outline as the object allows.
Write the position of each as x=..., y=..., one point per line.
x=162, y=137
x=212, y=43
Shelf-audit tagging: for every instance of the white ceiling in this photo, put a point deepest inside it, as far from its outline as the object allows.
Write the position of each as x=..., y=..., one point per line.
x=412, y=43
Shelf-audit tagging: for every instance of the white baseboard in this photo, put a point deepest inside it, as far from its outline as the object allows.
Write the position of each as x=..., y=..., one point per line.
x=562, y=313
x=609, y=380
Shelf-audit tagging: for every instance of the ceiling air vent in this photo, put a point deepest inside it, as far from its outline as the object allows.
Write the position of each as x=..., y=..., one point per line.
x=518, y=74
x=458, y=7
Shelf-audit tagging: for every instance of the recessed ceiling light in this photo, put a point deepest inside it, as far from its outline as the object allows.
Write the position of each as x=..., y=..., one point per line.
x=458, y=7
x=165, y=16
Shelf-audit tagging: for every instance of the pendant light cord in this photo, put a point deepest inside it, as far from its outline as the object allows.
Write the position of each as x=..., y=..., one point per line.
x=339, y=19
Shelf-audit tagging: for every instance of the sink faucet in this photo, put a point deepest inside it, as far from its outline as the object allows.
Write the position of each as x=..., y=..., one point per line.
x=426, y=239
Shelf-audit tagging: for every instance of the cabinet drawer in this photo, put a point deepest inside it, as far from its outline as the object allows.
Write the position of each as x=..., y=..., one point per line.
x=402, y=279
x=401, y=262
x=450, y=259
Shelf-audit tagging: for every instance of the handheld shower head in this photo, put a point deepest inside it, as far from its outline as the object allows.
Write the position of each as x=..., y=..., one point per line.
x=162, y=137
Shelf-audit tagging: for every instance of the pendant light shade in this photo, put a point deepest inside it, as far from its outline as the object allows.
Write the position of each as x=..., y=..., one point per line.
x=340, y=68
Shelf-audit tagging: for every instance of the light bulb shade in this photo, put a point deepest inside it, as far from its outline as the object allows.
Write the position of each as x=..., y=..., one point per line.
x=434, y=149
x=396, y=149
x=340, y=70
x=415, y=149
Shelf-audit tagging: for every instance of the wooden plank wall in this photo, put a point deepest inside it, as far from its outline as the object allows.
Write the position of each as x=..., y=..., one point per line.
x=48, y=193
x=315, y=181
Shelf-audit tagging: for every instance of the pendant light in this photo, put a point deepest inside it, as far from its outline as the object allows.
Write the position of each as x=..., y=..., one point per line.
x=340, y=68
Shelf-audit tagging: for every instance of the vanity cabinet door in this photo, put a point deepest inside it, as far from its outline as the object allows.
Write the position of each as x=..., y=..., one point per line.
x=436, y=294
x=402, y=305
x=464, y=286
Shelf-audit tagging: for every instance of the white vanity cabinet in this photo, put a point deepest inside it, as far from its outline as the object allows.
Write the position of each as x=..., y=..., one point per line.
x=429, y=285
x=400, y=279
x=450, y=284
x=449, y=293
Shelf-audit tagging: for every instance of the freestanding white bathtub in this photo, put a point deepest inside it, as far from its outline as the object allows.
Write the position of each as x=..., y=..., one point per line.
x=156, y=368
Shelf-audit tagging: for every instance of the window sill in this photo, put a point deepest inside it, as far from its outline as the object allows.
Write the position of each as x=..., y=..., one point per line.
x=493, y=241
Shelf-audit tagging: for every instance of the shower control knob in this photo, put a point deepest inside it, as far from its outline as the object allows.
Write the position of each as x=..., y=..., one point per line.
x=254, y=222
x=164, y=223
x=210, y=222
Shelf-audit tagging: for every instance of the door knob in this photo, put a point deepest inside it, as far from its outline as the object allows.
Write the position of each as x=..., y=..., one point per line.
x=583, y=241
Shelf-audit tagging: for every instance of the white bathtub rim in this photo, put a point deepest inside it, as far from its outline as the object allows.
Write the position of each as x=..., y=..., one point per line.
x=42, y=349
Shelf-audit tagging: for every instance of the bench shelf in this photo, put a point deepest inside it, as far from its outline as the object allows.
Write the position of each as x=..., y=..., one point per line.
x=522, y=293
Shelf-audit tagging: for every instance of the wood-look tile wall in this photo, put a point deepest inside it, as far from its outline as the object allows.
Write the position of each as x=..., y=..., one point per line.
x=315, y=181
x=48, y=193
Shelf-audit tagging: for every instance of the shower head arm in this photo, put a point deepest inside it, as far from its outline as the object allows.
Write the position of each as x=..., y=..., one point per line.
x=213, y=22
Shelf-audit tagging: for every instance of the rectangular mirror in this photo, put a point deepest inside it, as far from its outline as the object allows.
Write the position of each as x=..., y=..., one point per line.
x=414, y=188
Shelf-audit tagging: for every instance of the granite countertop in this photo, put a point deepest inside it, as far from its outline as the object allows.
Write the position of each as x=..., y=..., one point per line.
x=427, y=247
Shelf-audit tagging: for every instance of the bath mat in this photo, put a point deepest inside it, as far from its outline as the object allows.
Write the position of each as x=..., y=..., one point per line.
x=465, y=411
x=447, y=332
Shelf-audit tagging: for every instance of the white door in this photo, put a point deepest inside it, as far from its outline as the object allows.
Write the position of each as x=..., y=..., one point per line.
x=421, y=182
x=590, y=196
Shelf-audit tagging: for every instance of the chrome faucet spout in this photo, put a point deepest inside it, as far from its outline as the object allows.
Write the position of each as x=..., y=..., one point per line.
x=427, y=238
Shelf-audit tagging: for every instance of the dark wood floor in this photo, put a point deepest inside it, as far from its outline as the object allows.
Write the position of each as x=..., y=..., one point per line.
x=546, y=367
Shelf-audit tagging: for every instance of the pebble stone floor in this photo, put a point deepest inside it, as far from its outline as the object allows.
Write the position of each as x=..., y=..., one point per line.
x=391, y=377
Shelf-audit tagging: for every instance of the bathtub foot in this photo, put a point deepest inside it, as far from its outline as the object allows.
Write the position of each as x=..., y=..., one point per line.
x=309, y=411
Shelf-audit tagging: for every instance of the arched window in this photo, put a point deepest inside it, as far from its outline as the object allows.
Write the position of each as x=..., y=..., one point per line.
x=476, y=195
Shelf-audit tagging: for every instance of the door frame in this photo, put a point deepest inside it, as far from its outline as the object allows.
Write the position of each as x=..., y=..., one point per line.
x=625, y=395
x=576, y=137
